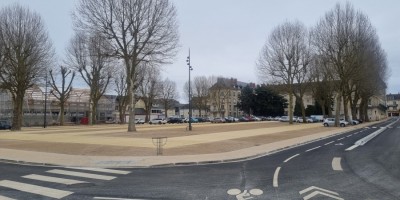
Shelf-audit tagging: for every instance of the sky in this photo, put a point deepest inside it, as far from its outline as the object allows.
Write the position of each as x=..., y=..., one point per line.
x=225, y=37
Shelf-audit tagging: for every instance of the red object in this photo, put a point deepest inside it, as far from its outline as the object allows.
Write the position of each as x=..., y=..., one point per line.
x=85, y=121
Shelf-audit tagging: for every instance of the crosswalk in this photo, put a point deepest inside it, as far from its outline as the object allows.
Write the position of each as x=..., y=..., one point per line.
x=74, y=174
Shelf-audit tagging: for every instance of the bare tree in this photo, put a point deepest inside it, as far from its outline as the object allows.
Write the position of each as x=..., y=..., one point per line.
x=149, y=88
x=201, y=92
x=321, y=84
x=285, y=57
x=25, y=51
x=89, y=56
x=168, y=94
x=122, y=98
x=141, y=31
x=62, y=93
x=342, y=36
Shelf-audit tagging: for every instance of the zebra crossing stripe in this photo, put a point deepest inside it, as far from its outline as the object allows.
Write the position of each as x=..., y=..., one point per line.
x=80, y=174
x=44, y=191
x=53, y=179
x=111, y=171
x=5, y=198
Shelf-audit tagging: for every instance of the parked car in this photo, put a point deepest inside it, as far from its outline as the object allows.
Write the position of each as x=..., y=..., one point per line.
x=284, y=119
x=218, y=120
x=174, y=120
x=308, y=120
x=139, y=121
x=243, y=119
x=4, y=125
x=331, y=122
x=194, y=120
x=355, y=122
x=158, y=121
x=277, y=118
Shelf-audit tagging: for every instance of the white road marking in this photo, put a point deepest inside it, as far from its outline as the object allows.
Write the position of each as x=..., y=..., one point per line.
x=329, y=143
x=112, y=171
x=291, y=158
x=349, y=135
x=80, y=174
x=340, y=139
x=313, y=148
x=315, y=193
x=351, y=148
x=276, y=174
x=317, y=188
x=111, y=198
x=5, y=198
x=53, y=179
x=336, y=164
x=374, y=127
x=44, y=191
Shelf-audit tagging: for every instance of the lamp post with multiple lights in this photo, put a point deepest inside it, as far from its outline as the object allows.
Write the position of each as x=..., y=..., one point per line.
x=190, y=93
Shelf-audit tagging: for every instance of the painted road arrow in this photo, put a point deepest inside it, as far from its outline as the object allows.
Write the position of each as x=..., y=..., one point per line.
x=319, y=191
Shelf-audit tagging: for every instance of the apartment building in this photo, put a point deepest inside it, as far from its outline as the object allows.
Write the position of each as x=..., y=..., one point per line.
x=393, y=105
x=224, y=96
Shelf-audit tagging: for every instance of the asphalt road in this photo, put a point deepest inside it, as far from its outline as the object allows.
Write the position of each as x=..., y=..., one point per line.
x=318, y=170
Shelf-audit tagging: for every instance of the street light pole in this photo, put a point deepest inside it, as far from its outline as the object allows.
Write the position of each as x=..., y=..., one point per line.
x=190, y=93
x=45, y=104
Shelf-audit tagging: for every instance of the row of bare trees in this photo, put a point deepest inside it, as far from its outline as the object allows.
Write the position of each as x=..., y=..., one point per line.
x=127, y=40
x=340, y=57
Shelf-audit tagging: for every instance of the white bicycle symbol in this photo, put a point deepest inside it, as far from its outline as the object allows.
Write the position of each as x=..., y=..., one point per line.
x=244, y=195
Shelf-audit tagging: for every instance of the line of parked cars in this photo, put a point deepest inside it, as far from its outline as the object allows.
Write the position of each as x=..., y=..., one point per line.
x=342, y=123
x=4, y=125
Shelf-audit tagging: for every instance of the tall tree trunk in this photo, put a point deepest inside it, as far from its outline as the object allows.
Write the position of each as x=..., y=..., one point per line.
x=62, y=109
x=337, y=109
x=18, y=112
x=290, y=111
x=132, y=102
x=346, y=108
x=322, y=102
x=94, y=112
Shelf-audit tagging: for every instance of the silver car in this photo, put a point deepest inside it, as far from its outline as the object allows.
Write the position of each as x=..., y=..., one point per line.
x=331, y=122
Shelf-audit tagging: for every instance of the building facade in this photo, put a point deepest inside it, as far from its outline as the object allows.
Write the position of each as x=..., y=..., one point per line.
x=224, y=97
x=392, y=103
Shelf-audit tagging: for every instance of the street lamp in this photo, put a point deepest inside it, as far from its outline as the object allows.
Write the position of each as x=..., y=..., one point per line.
x=190, y=93
x=45, y=104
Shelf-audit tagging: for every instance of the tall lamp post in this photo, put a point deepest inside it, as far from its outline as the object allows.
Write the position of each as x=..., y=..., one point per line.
x=190, y=93
x=45, y=104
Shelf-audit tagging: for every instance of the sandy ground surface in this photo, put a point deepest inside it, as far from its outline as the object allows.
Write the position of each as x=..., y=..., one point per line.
x=22, y=139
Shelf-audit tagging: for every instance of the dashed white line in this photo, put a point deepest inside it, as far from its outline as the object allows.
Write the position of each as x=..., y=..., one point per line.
x=329, y=143
x=340, y=139
x=336, y=164
x=112, y=171
x=349, y=135
x=313, y=148
x=5, y=198
x=351, y=148
x=80, y=174
x=291, y=158
x=53, y=179
x=44, y=191
x=276, y=174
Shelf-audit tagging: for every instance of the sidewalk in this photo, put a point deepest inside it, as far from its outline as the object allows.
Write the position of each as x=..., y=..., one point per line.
x=110, y=146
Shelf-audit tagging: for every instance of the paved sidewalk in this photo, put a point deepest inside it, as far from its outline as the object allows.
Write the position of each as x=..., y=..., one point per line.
x=269, y=138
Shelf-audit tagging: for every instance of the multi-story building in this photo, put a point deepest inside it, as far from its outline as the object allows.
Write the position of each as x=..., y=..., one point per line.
x=224, y=96
x=393, y=104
